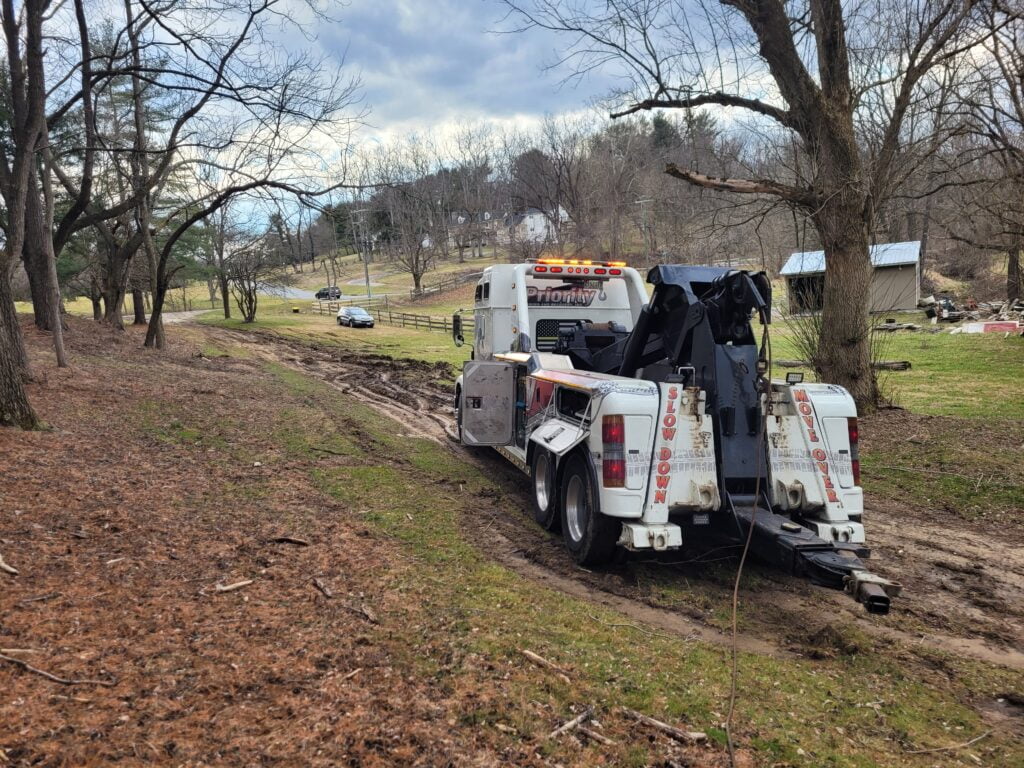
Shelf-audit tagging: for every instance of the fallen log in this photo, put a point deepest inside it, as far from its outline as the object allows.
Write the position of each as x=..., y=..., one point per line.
x=880, y=365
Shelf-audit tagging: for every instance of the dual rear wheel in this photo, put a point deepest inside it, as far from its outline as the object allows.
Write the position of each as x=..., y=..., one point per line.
x=568, y=500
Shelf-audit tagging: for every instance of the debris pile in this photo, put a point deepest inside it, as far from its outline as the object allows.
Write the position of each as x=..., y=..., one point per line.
x=977, y=317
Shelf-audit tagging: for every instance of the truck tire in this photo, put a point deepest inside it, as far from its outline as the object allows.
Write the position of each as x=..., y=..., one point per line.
x=589, y=535
x=546, y=509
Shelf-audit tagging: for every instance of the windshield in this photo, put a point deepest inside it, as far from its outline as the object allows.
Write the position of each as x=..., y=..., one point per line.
x=359, y=311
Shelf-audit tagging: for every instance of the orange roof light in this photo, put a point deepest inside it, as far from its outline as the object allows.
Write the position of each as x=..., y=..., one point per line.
x=581, y=262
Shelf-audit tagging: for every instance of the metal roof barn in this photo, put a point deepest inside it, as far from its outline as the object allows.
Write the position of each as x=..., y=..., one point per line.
x=895, y=284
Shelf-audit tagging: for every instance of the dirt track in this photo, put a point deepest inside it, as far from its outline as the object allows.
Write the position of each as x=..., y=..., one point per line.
x=964, y=585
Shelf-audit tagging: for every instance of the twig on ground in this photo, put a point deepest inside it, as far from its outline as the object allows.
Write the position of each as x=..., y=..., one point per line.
x=327, y=450
x=687, y=737
x=576, y=722
x=593, y=735
x=47, y=596
x=7, y=568
x=290, y=540
x=233, y=587
x=20, y=650
x=950, y=748
x=637, y=627
x=323, y=588
x=542, y=662
x=353, y=673
x=363, y=611
x=63, y=681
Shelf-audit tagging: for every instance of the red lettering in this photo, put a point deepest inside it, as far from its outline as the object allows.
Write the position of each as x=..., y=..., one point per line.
x=828, y=482
x=659, y=497
x=800, y=396
x=665, y=455
x=668, y=434
x=818, y=454
x=823, y=467
x=809, y=421
x=669, y=420
x=662, y=481
x=664, y=468
x=812, y=435
x=806, y=409
x=833, y=497
x=673, y=393
x=671, y=407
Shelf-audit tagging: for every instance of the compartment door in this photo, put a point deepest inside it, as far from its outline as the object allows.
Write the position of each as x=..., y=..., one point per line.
x=488, y=403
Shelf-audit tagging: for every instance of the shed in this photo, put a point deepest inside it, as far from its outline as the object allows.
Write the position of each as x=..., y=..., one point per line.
x=895, y=281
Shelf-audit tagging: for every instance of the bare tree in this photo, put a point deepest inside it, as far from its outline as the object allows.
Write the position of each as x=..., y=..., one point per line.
x=840, y=81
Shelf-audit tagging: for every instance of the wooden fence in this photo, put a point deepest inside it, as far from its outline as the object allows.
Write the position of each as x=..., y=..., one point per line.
x=332, y=307
x=382, y=313
x=424, y=322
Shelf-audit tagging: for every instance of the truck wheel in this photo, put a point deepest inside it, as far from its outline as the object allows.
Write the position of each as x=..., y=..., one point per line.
x=545, y=491
x=589, y=535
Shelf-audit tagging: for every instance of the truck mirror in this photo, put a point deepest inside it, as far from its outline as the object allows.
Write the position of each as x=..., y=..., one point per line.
x=457, y=330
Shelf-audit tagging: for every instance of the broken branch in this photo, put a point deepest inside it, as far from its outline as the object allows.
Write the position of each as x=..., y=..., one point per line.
x=576, y=722
x=540, y=661
x=593, y=735
x=687, y=737
x=233, y=587
x=290, y=540
x=7, y=568
x=951, y=748
x=43, y=673
x=323, y=588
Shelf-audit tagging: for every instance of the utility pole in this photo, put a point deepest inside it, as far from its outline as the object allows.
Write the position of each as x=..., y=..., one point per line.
x=643, y=226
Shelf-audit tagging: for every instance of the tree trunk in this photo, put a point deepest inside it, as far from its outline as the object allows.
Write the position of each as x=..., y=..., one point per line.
x=94, y=297
x=1013, y=274
x=224, y=295
x=14, y=406
x=844, y=343
x=53, y=287
x=139, y=305
x=35, y=260
x=114, y=289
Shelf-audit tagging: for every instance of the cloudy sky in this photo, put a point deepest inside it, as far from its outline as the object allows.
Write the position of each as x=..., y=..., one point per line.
x=432, y=63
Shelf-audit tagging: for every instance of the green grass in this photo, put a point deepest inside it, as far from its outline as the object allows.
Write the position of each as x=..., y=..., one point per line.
x=977, y=376
x=395, y=341
x=863, y=708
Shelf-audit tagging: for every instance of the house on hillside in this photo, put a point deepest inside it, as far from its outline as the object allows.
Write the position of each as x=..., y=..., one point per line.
x=532, y=226
x=895, y=281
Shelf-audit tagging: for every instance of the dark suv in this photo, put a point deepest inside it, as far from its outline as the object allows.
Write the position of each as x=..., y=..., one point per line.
x=329, y=293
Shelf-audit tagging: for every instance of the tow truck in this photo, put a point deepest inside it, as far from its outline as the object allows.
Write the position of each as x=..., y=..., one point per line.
x=646, y=421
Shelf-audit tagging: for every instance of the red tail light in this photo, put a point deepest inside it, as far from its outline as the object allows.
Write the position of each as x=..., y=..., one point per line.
x=613, y=463
x=615, y=272
x=854, y=450
x=540, y=269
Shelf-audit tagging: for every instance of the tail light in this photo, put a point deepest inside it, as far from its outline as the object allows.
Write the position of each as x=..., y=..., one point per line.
x=613, y=451
x=854, y=450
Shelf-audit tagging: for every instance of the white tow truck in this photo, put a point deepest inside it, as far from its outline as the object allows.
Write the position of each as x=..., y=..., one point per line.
x=646, y=421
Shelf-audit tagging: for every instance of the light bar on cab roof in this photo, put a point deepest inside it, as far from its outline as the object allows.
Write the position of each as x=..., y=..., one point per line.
x=580, y=262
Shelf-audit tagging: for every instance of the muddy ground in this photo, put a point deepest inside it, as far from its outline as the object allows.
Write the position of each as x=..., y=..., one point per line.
x=963, y=580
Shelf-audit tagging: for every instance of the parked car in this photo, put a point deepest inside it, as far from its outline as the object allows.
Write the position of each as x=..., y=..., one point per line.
x=355, y=317
x=330, y=293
